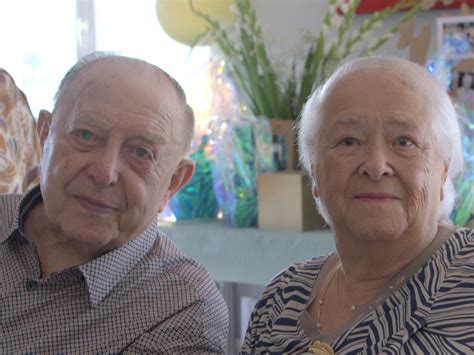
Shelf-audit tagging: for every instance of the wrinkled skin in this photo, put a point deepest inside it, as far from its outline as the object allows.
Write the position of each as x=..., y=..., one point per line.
x=113, y=156
x=379, y=172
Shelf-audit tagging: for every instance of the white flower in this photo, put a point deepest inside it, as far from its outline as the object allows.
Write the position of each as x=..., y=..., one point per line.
x=332, y=9
x=337, y=21
x=233, y=9
x=325, y=29
x=344, y=7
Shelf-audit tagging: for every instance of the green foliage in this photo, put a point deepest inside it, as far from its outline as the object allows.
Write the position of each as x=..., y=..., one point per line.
x=251, y=69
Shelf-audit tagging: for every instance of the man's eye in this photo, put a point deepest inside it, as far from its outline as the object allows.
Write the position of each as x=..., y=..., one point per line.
x=142, y=152
x=347, y=141
x=85, y=135
x=404, y=141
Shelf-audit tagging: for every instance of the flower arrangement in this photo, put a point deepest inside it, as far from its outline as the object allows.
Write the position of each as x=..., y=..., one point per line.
x=252, y=70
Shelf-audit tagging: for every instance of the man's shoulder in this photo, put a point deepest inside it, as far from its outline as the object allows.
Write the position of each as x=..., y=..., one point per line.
x=173, y=266
x=8, y=209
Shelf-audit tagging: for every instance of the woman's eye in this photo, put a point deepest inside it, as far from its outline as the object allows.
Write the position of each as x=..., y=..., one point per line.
x=404, y=141
x=347, y=141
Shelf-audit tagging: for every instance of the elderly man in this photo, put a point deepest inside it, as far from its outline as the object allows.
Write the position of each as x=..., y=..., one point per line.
x=84, y=267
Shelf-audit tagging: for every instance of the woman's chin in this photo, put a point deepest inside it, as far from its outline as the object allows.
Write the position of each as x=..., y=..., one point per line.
x=376, y=228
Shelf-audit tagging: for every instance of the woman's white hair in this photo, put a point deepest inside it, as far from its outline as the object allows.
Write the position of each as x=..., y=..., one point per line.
x=445, y=124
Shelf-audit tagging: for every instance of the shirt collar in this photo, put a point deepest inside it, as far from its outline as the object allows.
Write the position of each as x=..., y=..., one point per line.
x=22, y=205
x=105, y=272
x=102, y=273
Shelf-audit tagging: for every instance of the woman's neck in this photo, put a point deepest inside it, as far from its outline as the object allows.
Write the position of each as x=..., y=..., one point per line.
x=368, y=263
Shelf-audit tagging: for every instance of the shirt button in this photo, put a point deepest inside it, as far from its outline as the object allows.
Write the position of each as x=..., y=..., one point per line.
x=31, y=285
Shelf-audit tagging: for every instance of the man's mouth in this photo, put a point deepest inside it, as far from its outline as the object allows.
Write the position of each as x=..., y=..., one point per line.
x=95, y=205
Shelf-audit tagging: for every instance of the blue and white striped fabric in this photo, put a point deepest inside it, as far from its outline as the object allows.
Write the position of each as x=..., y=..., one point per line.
x=432, y=313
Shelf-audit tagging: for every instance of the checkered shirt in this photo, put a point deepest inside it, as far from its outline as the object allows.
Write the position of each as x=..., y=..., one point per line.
x=146, y=296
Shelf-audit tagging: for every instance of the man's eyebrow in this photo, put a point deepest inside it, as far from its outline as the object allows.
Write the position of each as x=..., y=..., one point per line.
x=84, y=120
x=150, y=138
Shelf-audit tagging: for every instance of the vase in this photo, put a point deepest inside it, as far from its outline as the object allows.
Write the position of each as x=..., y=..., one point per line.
x=284, y=144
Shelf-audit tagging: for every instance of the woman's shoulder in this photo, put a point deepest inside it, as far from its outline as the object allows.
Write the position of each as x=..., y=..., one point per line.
x=301, y=272
x=462, y=240
x=297, y=279
x=281, y=303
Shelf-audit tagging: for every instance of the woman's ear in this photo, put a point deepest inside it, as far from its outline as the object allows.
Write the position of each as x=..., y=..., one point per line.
x=315, y=188
x=44, y=124
x=444, y=176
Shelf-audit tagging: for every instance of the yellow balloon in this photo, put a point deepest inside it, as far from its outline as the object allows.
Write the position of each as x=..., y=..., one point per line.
x=181, y=24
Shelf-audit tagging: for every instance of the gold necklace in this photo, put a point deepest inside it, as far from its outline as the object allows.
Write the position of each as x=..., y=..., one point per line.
x=321, y=301
x=318, y=347
x=352, y=307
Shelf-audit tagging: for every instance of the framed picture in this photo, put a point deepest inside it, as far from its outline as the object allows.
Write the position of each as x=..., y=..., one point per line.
x=463, y=83
x=368, y=6
x=460, y=31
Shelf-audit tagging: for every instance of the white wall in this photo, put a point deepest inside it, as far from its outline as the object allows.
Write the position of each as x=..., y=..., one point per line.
x=284, y=22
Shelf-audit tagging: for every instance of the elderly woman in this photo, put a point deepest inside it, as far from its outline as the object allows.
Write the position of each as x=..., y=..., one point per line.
x=381, y=141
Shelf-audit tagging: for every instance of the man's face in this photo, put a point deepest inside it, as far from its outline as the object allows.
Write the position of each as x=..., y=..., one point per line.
x=379, y=171
x=111, y=160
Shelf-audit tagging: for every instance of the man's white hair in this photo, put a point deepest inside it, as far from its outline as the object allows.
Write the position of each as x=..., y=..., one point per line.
x=444, y=125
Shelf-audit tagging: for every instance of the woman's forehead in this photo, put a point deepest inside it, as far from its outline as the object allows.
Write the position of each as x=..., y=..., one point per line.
x=370, y=94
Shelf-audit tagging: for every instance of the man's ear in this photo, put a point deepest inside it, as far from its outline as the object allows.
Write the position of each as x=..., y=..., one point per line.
x=44, y=124
x=184, y=172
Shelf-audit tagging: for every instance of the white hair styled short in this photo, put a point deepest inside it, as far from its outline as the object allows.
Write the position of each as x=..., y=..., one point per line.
x=445, y=124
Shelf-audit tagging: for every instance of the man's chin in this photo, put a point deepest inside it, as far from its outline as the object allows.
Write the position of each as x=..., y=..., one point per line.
x=94, y=239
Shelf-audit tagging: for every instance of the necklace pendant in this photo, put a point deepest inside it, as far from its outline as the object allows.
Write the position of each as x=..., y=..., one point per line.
x=321, y=348
x=353, y=308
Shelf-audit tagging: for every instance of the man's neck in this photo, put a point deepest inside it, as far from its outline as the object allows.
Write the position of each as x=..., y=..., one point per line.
x=55, y=250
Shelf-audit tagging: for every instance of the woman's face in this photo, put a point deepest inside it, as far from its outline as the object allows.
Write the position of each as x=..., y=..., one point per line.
x=379, y=171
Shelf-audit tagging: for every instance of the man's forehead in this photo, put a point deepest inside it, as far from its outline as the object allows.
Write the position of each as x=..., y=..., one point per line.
x=123, y=72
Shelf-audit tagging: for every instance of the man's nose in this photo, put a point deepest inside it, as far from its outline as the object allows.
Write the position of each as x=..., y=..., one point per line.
x=104, y=169
x=376, y=163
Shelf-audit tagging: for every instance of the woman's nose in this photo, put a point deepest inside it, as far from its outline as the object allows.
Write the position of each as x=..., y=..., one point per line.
x=376, y=163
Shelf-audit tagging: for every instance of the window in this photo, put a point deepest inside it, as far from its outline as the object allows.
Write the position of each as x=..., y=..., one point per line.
x=131, y=28
x=38, y=46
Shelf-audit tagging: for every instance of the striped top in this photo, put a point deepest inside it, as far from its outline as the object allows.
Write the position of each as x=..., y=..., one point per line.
x=144, y=297
x=431, y=312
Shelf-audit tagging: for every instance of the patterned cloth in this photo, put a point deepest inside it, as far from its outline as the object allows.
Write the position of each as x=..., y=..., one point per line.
x=146, y=296
x=20, y=150
x=432, y=312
